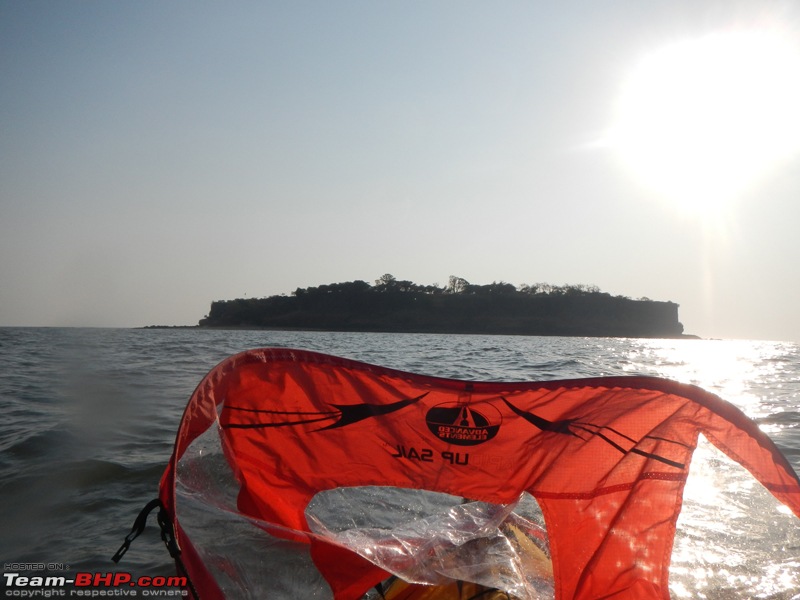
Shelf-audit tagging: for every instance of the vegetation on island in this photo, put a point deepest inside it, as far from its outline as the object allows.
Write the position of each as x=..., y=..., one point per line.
x=393, y=305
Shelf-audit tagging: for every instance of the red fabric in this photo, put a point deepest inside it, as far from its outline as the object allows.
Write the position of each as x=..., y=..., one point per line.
x=606, y=458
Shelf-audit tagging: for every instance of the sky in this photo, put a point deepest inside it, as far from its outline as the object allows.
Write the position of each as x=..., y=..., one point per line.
x=157, y=156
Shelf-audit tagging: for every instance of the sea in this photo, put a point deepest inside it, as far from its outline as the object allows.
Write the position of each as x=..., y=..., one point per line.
x=88, y=420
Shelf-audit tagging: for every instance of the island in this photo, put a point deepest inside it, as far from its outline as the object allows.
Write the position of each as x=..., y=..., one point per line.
x=392, y=305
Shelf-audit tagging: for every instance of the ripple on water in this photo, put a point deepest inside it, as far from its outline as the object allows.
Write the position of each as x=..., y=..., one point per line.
x=90, y=420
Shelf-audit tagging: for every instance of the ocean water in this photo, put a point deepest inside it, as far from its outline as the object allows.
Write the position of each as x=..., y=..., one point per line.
x=89, y=419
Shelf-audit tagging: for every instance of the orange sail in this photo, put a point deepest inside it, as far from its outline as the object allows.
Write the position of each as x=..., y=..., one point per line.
x=291, y=467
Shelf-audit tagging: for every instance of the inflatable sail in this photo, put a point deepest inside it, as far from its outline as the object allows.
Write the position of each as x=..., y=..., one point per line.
x=301, y=475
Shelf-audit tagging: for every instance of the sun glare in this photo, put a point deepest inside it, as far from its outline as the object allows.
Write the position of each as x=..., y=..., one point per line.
x=701, y=120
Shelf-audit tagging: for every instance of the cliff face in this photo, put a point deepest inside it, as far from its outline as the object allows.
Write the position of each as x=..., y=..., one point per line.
x=365, y=309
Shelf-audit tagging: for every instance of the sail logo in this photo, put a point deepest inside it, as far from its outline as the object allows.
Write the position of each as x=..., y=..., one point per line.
x=463, y=425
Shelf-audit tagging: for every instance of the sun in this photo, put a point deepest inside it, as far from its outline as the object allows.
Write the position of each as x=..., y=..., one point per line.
x=700, y=121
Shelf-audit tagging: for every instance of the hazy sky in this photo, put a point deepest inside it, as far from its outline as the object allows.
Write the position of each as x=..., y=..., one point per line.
x=156, y=156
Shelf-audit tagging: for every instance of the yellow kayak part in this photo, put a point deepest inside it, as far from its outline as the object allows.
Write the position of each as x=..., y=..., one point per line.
x=535, y=562
x=456, y=590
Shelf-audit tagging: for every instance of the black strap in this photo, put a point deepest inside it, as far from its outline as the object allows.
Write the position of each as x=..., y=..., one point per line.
x=167, y=535
x=138, y=528
x=167, y=532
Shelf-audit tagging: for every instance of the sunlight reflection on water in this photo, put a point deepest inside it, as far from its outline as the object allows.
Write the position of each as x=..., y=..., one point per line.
x=734, y=539
x=729, y=529
x=732, y=369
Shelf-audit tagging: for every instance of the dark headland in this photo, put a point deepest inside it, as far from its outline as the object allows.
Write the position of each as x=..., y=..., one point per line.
x=392, y=305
